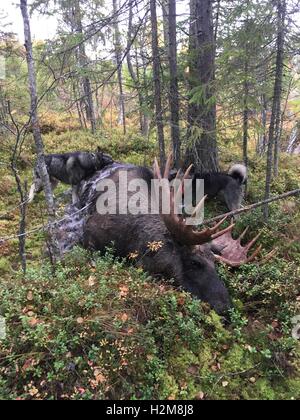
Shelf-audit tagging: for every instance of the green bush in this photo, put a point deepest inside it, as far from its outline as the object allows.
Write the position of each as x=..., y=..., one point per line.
x=100, y=329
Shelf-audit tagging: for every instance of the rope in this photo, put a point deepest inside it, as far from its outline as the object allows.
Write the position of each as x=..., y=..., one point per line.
x=24, y=202
x=13, y=209
x=42, y=227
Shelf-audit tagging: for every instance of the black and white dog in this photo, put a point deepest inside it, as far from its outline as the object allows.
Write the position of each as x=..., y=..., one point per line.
x=69, y=168
x=229, y=187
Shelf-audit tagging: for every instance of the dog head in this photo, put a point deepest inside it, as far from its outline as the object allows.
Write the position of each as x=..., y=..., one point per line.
x=101, y=159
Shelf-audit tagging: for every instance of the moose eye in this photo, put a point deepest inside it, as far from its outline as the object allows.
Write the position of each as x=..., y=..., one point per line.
x=196, y=263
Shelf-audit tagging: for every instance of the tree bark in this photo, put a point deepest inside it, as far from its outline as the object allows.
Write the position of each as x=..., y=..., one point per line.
x=83, y=62
x=262, y=144
x=173, y=92
x=202, y=143
x=281, y=12
x=246, y=115
x=157, y=84
x=135, y=74
x=35, y=121
x=118, y=55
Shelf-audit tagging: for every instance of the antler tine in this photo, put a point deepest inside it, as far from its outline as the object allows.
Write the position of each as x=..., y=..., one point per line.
x=222, y=232
x=250, y=244
x=168, y=166
x=187, y=172
x=199, y=207
x=226, y=261
x=244, y=233
x=217, y=225
x=254, y=255
x=156, y=169
x=269, y=256
x=185, y=176
x=178, y=174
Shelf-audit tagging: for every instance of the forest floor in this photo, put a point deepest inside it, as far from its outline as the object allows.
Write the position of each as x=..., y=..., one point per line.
x=99, y=328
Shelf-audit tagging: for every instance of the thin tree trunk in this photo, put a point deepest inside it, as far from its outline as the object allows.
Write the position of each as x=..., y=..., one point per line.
x=280, y=129
x=83, y=62
x=35, y=122
x=218, y=8
x=173, y=93
x=157, y=84
x=166, y=23
x=118, y=55
x=262, y=144
x=147, y=119
x=202, y=142
x=281, y=11
x=77, y=105
x=135, y=74
x=22, y=190
x=246, y=115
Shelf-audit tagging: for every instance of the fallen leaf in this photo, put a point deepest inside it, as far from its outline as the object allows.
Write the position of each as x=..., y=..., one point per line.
x=193, y=369
x=225, y=384
x=33, y=391
x=200, y=396
x=29, y=363
x=181, y=300
x=30, y=295
x=92, y=281
x=124, y=317
x=99, y=377
x=33, y=322
x=123, y=291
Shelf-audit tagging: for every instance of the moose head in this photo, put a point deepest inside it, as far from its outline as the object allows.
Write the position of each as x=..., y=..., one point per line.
x=186, y=255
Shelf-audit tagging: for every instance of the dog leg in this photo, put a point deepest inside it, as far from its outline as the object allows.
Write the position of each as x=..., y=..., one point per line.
x=54, y=183
x=36, y=188
x=31, y=194
x=233, y=196
x=75, y=197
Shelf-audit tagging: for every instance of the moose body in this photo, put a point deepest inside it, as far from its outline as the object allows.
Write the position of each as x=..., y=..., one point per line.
x=191, y=267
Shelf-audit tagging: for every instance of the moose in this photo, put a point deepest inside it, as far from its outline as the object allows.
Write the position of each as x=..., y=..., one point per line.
x=185, y=255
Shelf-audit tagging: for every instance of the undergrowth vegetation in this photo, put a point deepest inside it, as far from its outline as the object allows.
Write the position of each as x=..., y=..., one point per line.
x=100, y=328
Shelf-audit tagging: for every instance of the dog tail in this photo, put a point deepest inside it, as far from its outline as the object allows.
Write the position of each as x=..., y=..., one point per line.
x=31, y=193
x=239, y=172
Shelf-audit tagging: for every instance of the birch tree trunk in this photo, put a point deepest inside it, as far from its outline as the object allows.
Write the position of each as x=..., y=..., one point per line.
x=118, y=55
x=134, y=74
x=35, y=121
x=83, y=62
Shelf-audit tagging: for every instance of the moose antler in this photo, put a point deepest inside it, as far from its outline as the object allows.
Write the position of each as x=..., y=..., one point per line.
x=183, y=233
x=233, y=253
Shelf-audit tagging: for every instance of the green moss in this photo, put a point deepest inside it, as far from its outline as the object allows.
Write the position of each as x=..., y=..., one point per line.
x=4, y=266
